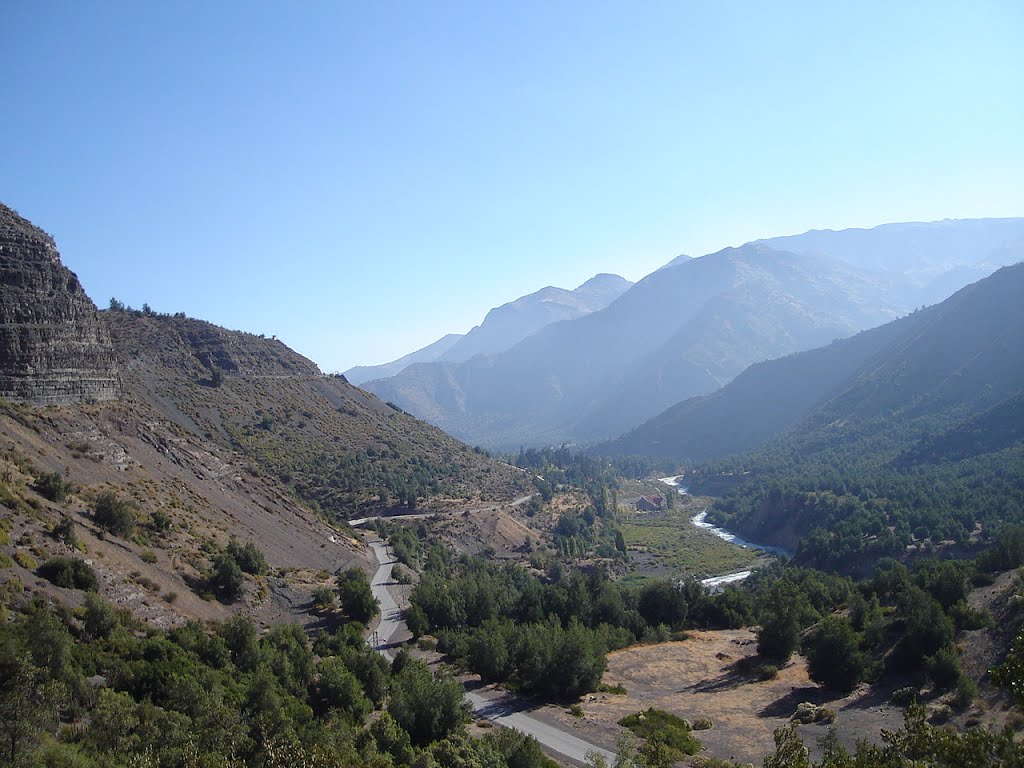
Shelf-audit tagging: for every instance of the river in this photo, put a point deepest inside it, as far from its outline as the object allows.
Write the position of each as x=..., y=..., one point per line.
x=700, y=521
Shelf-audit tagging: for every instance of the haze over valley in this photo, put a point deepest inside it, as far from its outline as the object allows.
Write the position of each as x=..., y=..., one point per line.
x=534, y=385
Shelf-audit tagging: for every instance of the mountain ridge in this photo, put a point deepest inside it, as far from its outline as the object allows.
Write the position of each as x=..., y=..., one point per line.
x=505, y=325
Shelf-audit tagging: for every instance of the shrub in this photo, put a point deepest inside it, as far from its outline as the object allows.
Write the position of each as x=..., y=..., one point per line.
x=161, y=521
x=70, y=573
x=147, y=556
x=904, y=697
x=52, y=486
x=226, y=579
x=576, y=710
x=702, y=724
x=113, y=514
x=808, y=712
x=65, y=531
x=5, y=561
x=767, y=672
x=944, y=668
x=966, y=693
x=248, y=556
x=656, y=725
x=357, y=600
x=25, y=560
x=323, y=598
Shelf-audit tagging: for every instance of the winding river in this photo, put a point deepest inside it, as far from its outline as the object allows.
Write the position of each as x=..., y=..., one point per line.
x=700, y=521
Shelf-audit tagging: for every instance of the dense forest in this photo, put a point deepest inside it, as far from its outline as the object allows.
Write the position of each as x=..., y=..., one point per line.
x=874, y=488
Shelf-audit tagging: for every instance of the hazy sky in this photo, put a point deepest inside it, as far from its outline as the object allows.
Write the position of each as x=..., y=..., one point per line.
x=359, y=178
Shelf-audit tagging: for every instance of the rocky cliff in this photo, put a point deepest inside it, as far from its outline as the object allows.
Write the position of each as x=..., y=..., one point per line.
x=54, y=348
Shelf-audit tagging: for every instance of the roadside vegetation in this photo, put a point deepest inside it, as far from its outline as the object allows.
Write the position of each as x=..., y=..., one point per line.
x=94, y=688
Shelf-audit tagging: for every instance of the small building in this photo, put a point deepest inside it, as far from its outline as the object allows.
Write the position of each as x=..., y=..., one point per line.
x=650, y=504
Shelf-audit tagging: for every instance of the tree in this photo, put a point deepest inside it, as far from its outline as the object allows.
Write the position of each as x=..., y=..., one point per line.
x=336, y=688
x=662, y=602
x=779, y=635
x=356, y=596
x=23, y=706
x=226, y=578
x=833, y=656
x=427, y=707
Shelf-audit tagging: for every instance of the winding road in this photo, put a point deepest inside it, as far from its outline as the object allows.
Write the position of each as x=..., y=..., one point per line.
x=499, y=707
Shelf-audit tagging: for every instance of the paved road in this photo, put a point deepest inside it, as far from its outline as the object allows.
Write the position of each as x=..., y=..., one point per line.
x=390, y=613
x=500, y=708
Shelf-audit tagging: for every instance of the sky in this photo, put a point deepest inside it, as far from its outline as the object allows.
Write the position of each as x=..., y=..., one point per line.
x=361, y=178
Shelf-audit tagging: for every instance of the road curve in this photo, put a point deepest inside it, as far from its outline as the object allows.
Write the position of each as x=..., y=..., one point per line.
x=502, y=709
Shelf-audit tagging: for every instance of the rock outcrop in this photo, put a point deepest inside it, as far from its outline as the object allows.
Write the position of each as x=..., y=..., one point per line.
x=54, y=347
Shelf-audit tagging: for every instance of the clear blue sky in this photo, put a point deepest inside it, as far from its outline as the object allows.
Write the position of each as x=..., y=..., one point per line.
x=359, y=178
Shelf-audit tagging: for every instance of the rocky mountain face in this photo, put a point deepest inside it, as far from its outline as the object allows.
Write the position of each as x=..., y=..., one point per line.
x=217, y=434
x=54, y=349
x=506, y=326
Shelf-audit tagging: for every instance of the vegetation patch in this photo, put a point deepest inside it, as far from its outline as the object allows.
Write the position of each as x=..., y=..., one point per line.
x=659, y=726
x=70, y=573
x=678, y=545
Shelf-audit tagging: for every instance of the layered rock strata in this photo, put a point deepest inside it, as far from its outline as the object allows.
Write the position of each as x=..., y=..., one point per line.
x=54, y=347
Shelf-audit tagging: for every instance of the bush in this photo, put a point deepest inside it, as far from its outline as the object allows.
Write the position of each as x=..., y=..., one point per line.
x=656, y=725
x=147, y=556
x=249, y=557
x=904, y=697
x=226, y=579
x=944, y=668
x=323, y=599
x=65, y=531
x=69, y=573
x=25, y=560
x=767, y=672
x=161, y=521
x=52, y=486
x=114, y=515
x=966, y=693
x=702, y=724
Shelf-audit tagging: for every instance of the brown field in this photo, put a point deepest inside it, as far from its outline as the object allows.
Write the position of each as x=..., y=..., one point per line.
x=698, y=677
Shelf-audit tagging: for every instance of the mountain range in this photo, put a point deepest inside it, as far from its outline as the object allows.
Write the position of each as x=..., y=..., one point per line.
x=690, y=327
x=914, y=441
x=958, y=353
x=505, y=326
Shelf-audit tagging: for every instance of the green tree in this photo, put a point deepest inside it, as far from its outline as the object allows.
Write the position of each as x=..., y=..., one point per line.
x=427, y=707
x=779, y=635
x=336, y=688
x=225, y=578
x=833, y=656
x=356, y=596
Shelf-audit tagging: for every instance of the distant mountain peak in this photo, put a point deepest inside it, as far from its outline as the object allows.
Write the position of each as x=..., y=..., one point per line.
x=682, y=258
